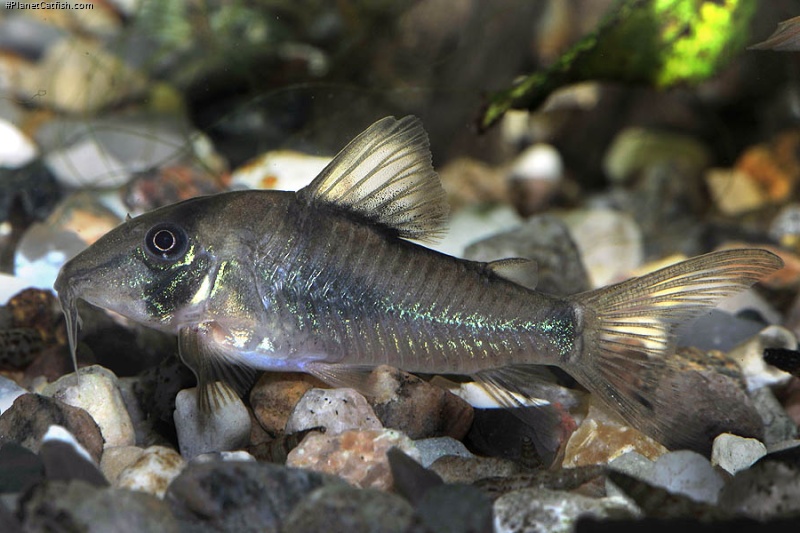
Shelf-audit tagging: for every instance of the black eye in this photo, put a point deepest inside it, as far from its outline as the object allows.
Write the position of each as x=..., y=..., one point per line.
x=166, y=241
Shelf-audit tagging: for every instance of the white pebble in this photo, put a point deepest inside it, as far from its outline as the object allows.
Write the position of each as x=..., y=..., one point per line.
x=336, y=410
x=16, y=150
x=688, y=473
x=733, y=453
x=96, y=390
x=153, y=471
x=225, y=428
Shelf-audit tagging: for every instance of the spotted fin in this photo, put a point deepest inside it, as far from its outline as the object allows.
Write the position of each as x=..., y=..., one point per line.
x=385, y=177
x=629, y=330
x=219, y=376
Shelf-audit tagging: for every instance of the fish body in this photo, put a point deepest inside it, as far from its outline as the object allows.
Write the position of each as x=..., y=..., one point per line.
x=327, y=281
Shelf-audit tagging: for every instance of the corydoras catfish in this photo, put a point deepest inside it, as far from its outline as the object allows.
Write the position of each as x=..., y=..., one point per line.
x=327, y=281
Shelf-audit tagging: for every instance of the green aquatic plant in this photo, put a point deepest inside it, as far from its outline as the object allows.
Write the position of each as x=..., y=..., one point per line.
x=662, y=43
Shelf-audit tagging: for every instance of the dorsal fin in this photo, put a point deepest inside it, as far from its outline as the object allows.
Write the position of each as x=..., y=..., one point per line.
x=385, y=176
x=521, y=271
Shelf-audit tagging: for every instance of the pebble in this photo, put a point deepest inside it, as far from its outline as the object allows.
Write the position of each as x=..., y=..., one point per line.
x=20, y=469
x=16, y=149
x=274, y=397
x=600, y=439
x=116, y=460
x=97, y=391
x=768, y=489
x=533, y=510
x=336, y=410
x=749, y=355
x=734, y=192
x=432, y=449
x=773, y=166
x=281, y=170
x=358, y=456
x=225, y=428
x=107, y=152
x=455, y=508
x=457, y=469
x=31, y=415
x=42, y=251
x=535, y=178
x=345, y=508
x=689, y=473
x=153, y=471
x=778, y=425
x=635, y=150
x=236, y=455
x=77, y=76
x=78, y=506
x=9, y=391
x=609, y=242
x=473, y=223
x=546, y=240
x=718, y=330
x=240, y=496
x=417, y=408
x=733, y=453
x=469, y=182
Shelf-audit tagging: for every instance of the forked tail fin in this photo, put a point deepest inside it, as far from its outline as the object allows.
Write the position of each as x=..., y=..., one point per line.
x=629, y=331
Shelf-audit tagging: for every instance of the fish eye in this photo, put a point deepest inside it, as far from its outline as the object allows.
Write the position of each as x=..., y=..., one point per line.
x=166, y=241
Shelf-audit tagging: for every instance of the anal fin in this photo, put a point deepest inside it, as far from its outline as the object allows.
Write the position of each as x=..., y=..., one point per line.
x=530, y=392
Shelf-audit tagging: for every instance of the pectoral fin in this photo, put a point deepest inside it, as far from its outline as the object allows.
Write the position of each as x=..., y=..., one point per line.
x=219, y=376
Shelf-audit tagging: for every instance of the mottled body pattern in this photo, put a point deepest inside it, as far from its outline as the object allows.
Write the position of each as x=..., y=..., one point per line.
x=326, y=281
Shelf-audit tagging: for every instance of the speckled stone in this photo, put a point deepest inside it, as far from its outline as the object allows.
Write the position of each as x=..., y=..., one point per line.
x=336, y=410
x=768, y=489
x=240, y=496
x=274, y=397
x=153, y=471
x=31, y=415
x=358, y=456
x=455, y=469
x=96, y=390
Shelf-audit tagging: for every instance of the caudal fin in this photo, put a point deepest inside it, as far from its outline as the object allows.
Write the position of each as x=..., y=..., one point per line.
x=629, y=331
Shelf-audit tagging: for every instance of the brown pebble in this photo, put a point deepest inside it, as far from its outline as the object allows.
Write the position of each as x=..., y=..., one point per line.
x=28, y=419
x=274, y=397
x=417, y=408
